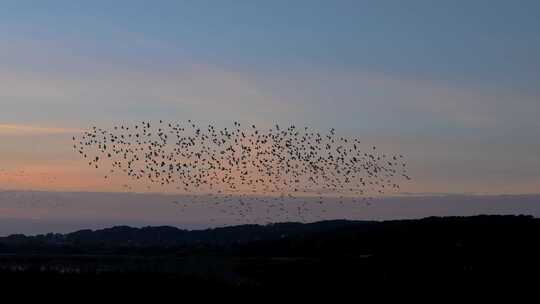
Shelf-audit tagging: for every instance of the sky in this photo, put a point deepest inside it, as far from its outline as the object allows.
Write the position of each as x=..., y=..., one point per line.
x=34, y=212
x=453, y=85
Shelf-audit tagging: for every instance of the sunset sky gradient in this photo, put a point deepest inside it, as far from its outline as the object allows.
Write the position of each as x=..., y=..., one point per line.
x=453, y=85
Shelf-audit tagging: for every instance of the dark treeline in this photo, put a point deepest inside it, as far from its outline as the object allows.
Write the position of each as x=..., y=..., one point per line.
x=326, y=238
x=435, y=251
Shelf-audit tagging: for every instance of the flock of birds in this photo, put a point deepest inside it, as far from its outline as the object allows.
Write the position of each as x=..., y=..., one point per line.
x=274, y=165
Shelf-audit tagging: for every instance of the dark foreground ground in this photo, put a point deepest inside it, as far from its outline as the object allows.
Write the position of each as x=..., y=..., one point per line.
x=484, y=254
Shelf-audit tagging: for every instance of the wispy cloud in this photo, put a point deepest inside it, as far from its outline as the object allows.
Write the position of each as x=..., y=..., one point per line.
x=119, y=93
x=17, y=129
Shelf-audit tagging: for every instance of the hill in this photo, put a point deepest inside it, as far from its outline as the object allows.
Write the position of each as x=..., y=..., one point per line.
x=435, y=251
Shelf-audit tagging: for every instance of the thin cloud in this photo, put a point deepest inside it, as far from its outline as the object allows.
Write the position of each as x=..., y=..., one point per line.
x=16, y=129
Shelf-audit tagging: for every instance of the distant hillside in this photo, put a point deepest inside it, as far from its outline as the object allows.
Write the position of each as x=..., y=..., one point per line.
x=452, y=253
x=321, y=238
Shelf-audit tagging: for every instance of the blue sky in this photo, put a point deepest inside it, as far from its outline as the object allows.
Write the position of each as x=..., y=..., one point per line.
x=473, y=40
